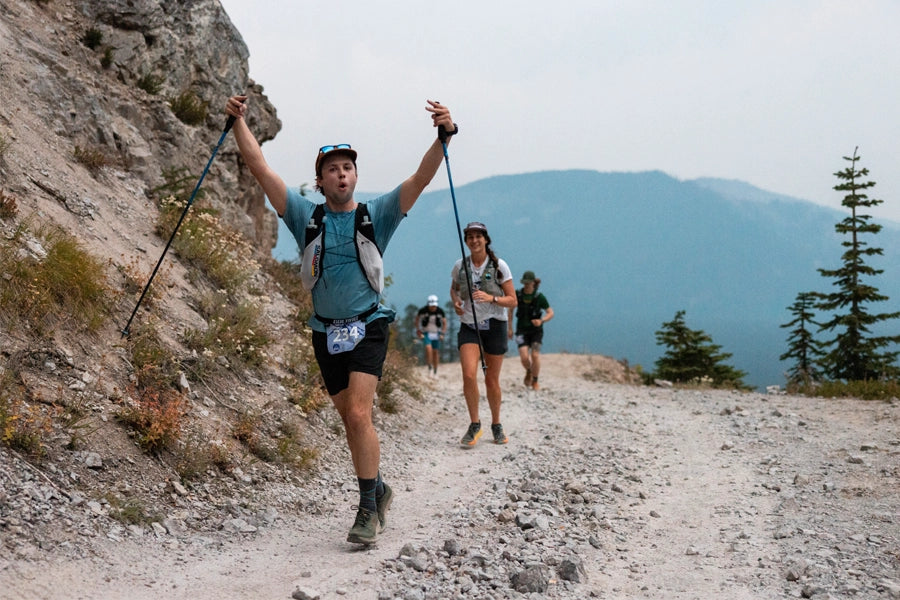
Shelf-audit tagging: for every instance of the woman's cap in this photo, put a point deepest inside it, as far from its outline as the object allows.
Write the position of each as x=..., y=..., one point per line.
x=432, y=300
x=528, y=276
x=475, y=226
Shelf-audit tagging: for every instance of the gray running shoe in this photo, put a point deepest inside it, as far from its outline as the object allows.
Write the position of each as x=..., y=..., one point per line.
x=499, y=436
x=472, y=434
x=384, y=504
x=365, y=528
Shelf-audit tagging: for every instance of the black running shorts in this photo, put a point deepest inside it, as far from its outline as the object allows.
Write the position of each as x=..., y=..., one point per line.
x=367, y=357
x=493, y=340
x=533, y=339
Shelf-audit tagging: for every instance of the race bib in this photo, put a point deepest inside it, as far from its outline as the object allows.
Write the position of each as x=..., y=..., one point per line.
x=343, y=337
x=482, y=325
x=433, y=335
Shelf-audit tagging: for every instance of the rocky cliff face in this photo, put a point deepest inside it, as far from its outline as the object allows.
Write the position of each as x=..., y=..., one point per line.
x=59, y=94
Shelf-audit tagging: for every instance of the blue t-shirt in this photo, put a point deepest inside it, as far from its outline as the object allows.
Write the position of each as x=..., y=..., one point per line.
x=343, y=290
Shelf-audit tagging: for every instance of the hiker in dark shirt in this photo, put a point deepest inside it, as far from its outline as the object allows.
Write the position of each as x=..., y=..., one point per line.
x=532, y=312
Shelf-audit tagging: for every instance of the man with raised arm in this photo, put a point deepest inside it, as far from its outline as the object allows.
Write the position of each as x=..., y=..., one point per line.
x=341, y=242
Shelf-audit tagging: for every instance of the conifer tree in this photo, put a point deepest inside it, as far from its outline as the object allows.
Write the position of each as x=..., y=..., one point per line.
x=692, y=357
x=802, y=346
x=856, y=354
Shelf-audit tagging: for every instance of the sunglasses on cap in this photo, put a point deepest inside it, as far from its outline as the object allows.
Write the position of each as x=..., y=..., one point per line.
x=326, y=149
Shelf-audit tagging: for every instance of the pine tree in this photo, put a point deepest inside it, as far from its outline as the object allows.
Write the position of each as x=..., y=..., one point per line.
x=692, y=357
x=855, y=353
x=802, y=346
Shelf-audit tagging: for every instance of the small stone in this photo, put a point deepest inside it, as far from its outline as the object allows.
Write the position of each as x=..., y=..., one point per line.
x=572, y=570
x=305, y=594
x=532, y=579
x=92, y=460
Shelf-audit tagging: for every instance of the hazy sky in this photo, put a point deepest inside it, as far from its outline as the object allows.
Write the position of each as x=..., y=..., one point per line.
x=773, y=93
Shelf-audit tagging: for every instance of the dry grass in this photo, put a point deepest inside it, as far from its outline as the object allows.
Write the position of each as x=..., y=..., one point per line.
x=50, y=281
x=23, y=426
x=222, y=254
x=93, y=159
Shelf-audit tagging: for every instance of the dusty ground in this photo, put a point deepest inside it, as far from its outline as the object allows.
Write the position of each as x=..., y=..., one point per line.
x=660, y=493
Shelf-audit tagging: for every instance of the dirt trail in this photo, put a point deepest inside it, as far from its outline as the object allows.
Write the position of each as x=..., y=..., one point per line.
x=680, y=494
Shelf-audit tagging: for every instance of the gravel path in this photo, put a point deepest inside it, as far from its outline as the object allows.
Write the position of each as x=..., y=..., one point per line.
x=604, y=490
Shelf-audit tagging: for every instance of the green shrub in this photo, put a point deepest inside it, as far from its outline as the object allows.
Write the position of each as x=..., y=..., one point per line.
x=155, y=366
x=92, y=38
x=150, y=83
x=188, y=108
x=864, y=390
x=108, y=56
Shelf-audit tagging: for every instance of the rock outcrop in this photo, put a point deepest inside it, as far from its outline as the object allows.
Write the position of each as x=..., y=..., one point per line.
x=60, y=94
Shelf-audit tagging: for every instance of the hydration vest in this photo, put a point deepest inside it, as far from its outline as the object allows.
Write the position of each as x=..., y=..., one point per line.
x=530, y=309
x=368, y=255
x=425, y=318
x=488, y=283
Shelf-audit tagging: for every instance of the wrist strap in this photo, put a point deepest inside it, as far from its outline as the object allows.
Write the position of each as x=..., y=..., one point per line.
x=445, y=135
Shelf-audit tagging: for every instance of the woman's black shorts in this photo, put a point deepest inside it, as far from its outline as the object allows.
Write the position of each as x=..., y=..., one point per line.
x=493, y=340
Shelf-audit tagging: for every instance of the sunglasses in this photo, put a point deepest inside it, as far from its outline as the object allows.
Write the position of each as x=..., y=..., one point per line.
x=326, y=149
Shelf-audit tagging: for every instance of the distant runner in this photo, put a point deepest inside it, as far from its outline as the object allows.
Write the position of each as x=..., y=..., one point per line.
x=431, y=326
x=532, y=312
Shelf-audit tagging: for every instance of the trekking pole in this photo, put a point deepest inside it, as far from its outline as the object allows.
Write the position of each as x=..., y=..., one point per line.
x=443, y=136
x=127, y=331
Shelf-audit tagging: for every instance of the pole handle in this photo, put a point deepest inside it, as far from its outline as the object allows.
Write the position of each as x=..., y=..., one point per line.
x=445, y=135
x=231, y=119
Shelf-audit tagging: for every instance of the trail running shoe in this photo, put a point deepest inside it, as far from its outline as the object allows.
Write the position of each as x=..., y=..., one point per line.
x=384, y=504
x=472, y=434
x=499, y=436
x=365, y=528
x=527, y=380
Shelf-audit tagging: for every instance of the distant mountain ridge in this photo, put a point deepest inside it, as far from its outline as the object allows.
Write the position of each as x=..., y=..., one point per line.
x=620, y=253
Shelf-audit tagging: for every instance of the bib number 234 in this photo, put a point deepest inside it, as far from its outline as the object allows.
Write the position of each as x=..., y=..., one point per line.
x=345, y=336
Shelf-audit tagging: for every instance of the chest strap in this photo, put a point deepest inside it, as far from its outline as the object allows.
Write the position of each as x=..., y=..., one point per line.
x=361, y=316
